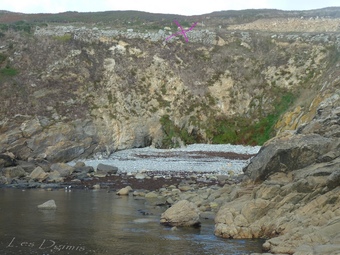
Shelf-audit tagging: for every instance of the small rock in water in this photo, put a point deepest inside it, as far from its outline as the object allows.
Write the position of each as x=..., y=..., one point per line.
x=96, y=186
x=124, y=191
x=49, y=205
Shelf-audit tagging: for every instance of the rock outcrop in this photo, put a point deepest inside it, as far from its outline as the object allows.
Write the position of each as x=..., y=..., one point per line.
x=295, y=204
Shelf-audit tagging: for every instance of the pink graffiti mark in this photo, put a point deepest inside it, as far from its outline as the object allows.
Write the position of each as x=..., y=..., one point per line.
x=183, y=31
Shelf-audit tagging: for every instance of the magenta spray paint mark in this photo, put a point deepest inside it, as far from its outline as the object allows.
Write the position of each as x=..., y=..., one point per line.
x=183, y=31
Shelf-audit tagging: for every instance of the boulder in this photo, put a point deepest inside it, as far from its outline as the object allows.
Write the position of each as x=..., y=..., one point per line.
x=63, y=168
x=64, y=151
x=27, y=166
x=124, y=191
x=288, y=154
x=6, y=161
x=13, y=172
x=79, y=164
x=106, y=169
x=38, y=174
x=83, y=169
x=183, y=213
x=3, y=180
x=151, y=195
x=54, y=176
x=49, y=205
x=96, y=186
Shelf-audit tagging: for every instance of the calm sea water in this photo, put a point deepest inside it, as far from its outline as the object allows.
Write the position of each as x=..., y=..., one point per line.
x=97, y=222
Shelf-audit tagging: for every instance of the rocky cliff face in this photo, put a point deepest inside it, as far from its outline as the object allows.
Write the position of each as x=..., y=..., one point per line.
x=77, y=90
x=295, y=200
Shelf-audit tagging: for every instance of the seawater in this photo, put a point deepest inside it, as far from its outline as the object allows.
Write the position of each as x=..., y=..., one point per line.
x=97, y=222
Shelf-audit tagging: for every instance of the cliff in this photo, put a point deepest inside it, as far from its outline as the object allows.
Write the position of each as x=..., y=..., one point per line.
x=76, y=89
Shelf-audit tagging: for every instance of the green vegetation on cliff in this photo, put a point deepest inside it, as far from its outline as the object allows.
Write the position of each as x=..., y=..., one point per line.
x=241, y=130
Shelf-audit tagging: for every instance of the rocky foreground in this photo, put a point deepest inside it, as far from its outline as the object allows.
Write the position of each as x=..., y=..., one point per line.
x=289, y=193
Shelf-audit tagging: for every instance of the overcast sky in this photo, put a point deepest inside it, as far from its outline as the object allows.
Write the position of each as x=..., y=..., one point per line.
x=184, y=7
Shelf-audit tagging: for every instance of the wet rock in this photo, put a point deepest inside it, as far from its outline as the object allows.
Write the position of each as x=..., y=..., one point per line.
x=96, y=186
x=183, y=213
x=49, y=205
x=106, y=169
x=124, y=191
x=138, y=193
x=151, y=195
x=38, y=174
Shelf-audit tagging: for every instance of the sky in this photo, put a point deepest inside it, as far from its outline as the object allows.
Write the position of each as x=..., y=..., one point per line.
x=183, y=7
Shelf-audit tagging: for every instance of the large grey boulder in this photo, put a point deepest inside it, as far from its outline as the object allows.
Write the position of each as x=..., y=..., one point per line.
x=183, y=213
x=286, y=154
x=106, y=169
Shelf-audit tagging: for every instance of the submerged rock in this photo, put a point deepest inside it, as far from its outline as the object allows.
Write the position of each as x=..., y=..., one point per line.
x=49, y=205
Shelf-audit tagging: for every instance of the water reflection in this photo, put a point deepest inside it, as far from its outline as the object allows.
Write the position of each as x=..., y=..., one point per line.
x=96, y=222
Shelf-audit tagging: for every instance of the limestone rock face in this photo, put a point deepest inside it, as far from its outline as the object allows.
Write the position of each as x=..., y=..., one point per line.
x=183, y=213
